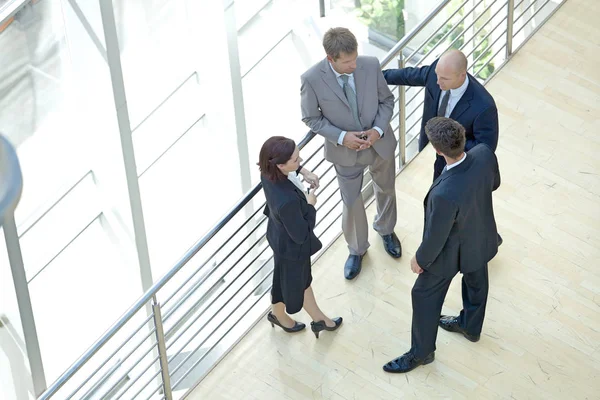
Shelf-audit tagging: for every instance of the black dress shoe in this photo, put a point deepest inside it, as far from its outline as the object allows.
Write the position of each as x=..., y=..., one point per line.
x=319, y=326
x=392, y=245
x=298, y=326
x=353, y=266
x=451, y=324
x=407, y=362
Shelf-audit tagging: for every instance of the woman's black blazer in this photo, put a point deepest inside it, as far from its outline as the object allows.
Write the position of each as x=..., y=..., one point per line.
x=291, y=220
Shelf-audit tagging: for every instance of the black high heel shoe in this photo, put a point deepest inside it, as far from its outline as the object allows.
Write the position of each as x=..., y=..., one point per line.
x=298, y=326
x=317, y=327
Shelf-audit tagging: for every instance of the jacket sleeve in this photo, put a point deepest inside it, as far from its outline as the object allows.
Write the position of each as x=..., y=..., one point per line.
x=312, y=116
x=485, y=129
x=407, y=76
x=386, y=102
x=496, y=173
x=441, y=214
x=296, y=225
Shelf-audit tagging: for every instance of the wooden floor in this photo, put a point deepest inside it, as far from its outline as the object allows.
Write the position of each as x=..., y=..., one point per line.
x=541, y=338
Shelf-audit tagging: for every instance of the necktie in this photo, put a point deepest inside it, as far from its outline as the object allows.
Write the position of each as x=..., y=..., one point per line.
x=444, y=104
x=351, y=96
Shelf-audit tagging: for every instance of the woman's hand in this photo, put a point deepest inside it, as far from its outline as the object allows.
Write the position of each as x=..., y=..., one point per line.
x=311, y=198
x=311, y=178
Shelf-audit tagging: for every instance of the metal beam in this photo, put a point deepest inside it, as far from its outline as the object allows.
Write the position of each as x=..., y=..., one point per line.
x=133, y=186
x=88, y=28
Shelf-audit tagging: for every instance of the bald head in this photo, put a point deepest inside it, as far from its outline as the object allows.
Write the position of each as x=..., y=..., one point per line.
x=454, y=60
x=451, y=69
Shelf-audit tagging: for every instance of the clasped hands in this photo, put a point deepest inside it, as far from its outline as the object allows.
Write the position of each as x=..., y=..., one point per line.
x=360, y=140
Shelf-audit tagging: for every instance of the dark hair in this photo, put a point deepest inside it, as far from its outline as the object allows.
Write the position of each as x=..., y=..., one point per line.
x=276, y=150
x=339, y=40
x=446, y=135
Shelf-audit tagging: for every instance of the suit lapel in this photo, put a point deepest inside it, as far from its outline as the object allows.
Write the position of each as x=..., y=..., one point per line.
x=331, y=81
x=290, y=186
x=445, y=175
x=464, y=102
x=433, y=185
x=360, y=81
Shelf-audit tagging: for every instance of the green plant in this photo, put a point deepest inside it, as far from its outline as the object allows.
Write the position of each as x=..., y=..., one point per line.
x=385, y=16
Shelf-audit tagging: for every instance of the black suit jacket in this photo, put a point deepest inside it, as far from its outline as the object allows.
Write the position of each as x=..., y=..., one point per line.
x=460, y=230
x=476, y=109
x=291, y=220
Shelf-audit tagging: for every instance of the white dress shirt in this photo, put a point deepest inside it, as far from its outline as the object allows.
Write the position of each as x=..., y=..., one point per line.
x=455, y=95
x=456, y=164
x=353, y=86
x=295, y=179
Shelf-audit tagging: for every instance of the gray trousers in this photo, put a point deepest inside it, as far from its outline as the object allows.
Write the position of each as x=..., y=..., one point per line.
x=354, y=217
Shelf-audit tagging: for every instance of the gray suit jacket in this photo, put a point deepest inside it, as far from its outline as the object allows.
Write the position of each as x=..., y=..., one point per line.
x=327, y=112
x=460, y=229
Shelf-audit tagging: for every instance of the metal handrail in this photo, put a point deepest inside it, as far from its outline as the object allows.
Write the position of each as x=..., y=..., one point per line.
x=150, y=294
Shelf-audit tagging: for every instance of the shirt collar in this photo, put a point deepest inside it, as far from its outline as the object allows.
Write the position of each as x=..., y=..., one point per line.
x=456, y=164
x=459, y=91
x=337, y=74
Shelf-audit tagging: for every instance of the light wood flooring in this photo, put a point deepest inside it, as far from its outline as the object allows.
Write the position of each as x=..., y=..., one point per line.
x=541, y=338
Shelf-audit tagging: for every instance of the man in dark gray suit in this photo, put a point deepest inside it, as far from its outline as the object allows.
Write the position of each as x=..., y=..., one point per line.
x=459, y=235
x=346, y=100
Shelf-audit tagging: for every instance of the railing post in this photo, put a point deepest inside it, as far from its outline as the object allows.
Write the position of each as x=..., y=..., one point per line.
x=401, y=115
x=509, y=27
x=32, y=344
x=162, y=349
x=321, y=8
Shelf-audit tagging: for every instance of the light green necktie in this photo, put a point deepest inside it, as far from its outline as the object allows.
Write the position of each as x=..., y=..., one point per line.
x=351, y=96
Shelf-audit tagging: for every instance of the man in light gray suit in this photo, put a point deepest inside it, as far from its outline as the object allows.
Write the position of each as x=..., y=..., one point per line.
x=345, y=98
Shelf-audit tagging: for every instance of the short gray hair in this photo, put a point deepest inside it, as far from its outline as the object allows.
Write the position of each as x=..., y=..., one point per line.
x=339, y=40
x=446, y=135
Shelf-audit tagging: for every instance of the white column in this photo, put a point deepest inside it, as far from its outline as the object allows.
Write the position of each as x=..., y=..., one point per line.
x=238, y=93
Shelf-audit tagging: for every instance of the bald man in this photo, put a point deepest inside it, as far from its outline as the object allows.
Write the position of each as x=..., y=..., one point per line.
x=451, y=92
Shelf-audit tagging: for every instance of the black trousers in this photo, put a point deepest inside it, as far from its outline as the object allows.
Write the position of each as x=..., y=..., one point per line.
x=428, y=294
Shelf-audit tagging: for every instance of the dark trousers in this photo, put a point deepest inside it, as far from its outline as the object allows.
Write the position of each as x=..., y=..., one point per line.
x=428, y=294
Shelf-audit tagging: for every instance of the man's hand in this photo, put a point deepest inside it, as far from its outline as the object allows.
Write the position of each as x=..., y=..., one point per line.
x=414, y=265
x=311, y=178
x=353, y=141
x=372, y=136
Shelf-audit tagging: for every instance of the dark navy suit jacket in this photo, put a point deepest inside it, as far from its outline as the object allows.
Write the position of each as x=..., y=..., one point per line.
x=476, y=109
x=460, y=233
x=290, y=230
